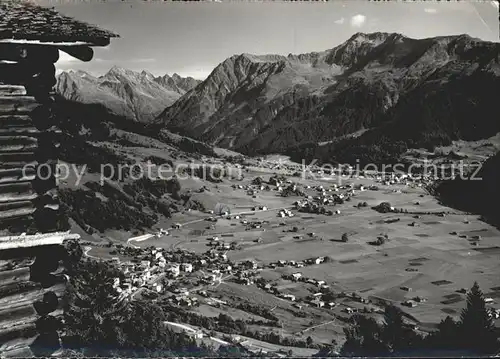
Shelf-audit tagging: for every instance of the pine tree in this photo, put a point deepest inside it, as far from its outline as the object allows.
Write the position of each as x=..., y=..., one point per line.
x=364, y=338
x=445, y=337
x=174, y=187
x=398, y=335
x=477, y=331
x=93, y=310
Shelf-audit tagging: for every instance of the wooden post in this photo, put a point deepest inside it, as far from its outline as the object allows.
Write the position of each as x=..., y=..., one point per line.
x=31, y=275
x=32, y=284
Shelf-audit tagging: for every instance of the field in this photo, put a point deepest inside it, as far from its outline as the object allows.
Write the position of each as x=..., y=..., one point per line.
x=426, y=255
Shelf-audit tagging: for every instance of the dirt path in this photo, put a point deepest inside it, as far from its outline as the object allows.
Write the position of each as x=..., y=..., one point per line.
x=86, y=251
x=319, y=325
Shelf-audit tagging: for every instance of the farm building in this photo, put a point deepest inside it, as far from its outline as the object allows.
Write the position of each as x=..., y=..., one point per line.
x=187, y=267
x=32, y=228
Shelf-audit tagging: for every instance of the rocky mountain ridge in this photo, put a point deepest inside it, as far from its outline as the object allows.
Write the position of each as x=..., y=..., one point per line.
x=272, y=103
x=136, y=96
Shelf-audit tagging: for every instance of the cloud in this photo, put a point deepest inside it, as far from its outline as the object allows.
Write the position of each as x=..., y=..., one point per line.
x=340, y=21
x=98, y=59
x=358, y=20
x=430, y=10
x=142, y=60
x=196, y=73
x=132, y=60
x=65, y=59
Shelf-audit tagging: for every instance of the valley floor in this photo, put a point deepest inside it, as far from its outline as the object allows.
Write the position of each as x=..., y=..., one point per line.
x=432, y=252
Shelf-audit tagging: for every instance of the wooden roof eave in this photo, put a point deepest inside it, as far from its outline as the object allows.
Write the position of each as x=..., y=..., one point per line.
x=100, y=43
x=79, y=50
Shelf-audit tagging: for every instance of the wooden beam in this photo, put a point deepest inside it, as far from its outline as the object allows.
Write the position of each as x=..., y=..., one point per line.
x=25, y=260
x=16, y=157
x=9, y=121
x=12, y=317
x=17, y=144
x=36, y=240
x=14, y=275
x=28, y=52
x=16, y=205
x=16, y=164
x=16, y=213
x=17, y=179
x=17, y=105
x=12, y=90
x=82, y=53
x=16, y=173
x=16, y=197
x=21, y=336
x=16, y=131
x=16, y=188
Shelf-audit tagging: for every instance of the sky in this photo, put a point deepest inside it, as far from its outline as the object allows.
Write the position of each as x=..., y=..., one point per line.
x=191, y=38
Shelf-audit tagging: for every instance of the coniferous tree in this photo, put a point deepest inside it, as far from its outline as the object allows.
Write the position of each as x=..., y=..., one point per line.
x=474, y=333
x=93, y=310
x=364, y=338
x=174, y=187
x=397, y=335
x=99, y=322
x=477, y=331
x=445, y=337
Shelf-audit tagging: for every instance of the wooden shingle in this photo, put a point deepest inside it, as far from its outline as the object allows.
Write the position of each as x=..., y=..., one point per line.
x=24, y=20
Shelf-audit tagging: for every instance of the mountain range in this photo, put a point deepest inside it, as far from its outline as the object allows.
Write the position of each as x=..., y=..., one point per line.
x=137, y=96
x=374, y=96
x=439, y=88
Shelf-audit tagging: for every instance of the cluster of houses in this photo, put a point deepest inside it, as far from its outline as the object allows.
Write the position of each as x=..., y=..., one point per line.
x=285, y=213
x=317, y=301
x=412, y=303
x=327, y=197
x=494, y=313
x=175, y=269
x=216, y=243
x=254, y=224
x=246, y=272
x=314, y=300
x=150, y=263
x=283, y=186
x=178, y=265
x=408, y=179
x=309, y=206
x=296, y=264
x=181, y=297
x=291, y=190
x=135, y=276
x=259, y=208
